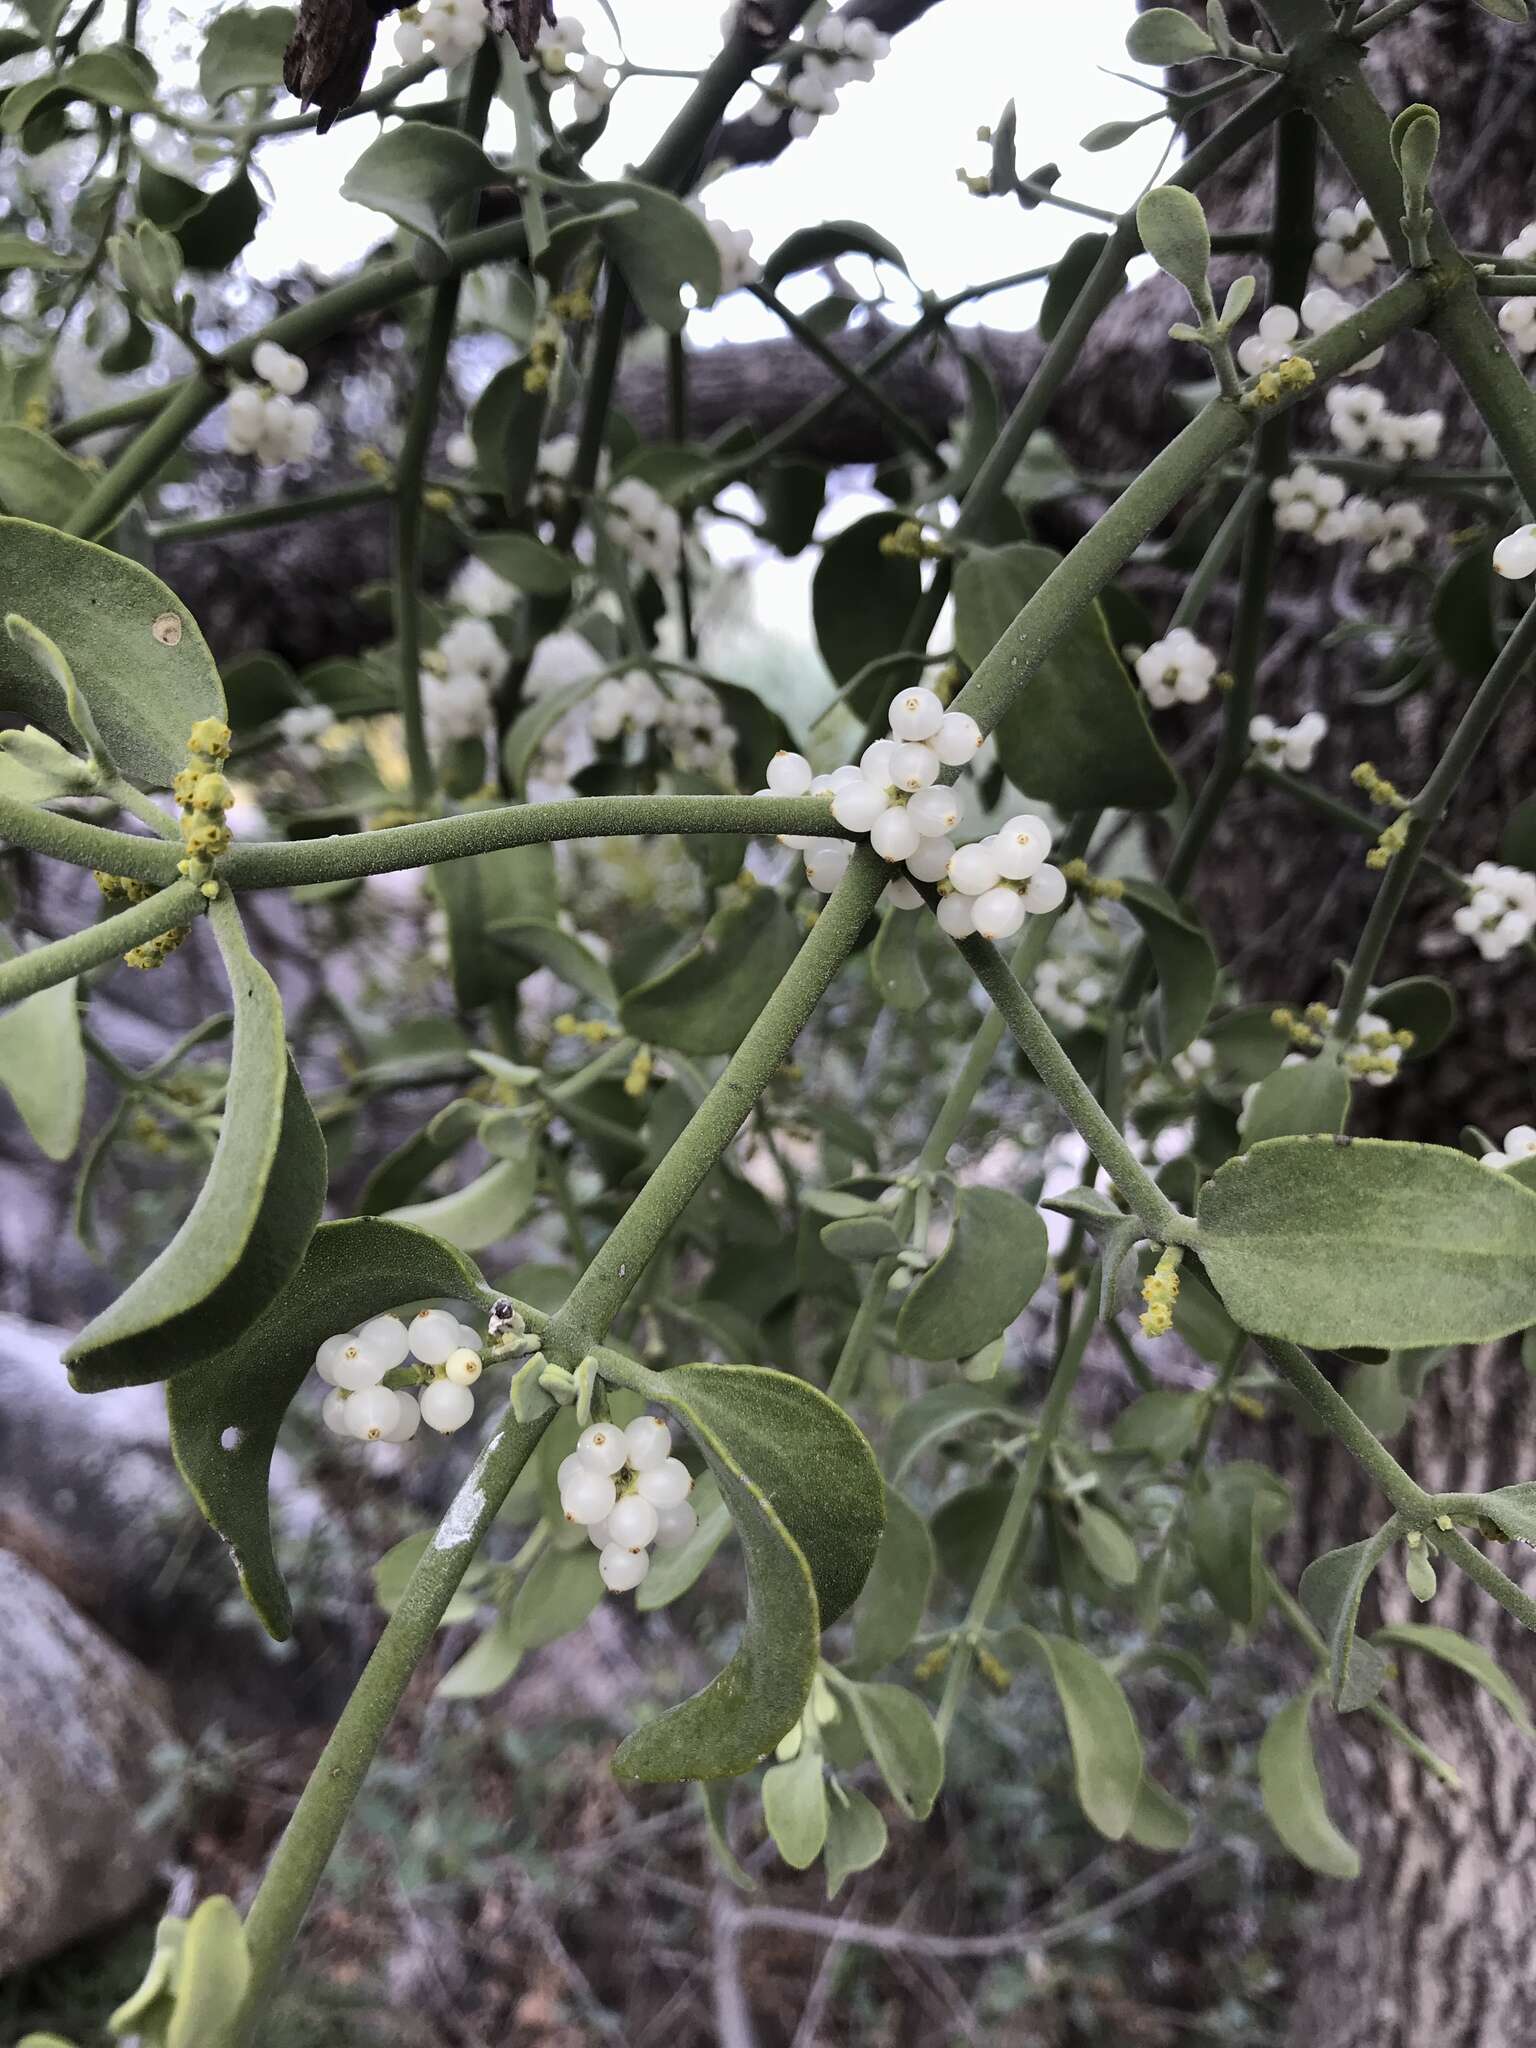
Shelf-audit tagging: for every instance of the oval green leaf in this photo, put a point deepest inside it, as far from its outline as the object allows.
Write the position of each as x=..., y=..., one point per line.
x=984, y=1279
x=253, y=1216
x=709, y=1000
x=889, y=1612
x=1106, y=1749
x=42, y=1067
x=807, y=1501
x=1293, y=1795
x=1369, y=1242
x=136, y=652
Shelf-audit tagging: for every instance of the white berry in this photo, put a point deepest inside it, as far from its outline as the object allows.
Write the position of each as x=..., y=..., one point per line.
x=957, y=739
x=916, y=714
x=445, y=1407
x=386, y=1335
x=974, y=869
x=588, y=1496
x=602, y=1448
x=433, y=1334
x=1515, y=555
x=633, y=1522
x=622, y=1570
x=665, y=1484
x=334, y=1412
x=648, y=1442
x=935, y=811
x=789, y=774
x=1045, y=890
x=462, y=1367
x=358, y=1366
x=894, y=836
x=931, y=861
x=407, y=1422
x=329, y=1355
x=857, y=806
x=957, y=916
x=675, y=1525
x=1022, y=846
x=373, y=1413
x=913, y=767
x=998, y=913
x=875, y=762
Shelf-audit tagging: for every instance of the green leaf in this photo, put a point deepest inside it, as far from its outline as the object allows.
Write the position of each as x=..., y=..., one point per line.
x=37, y=479
x=147, y=2009
x=35, y=768
x=715, y=1798
x=1106, y=1749
x=675, y=1572
x=416, y=174
x=795, y=1807
x=982, y=1282
x=889, y=1612
x=810, y=247
x=212, y=1976
x=533, y=725
x=486, y=1666
x=659, y=244
x=1507, y=10
x=1229, y=1524
x=135, y=649
x=1161, y=1425
x=1422, y=1005
x=856, y=1836
x=860, y=603
x=514, y=883
x=1454, y=1648
x=19, y=252
x=42, y=1066
x=350, y=1272
x=806, y=1498
x=533, y=942
x=1165, y=36
x=486, y=1210
x=214, y=236
x=1110, y=134
x=1171, y=223
x=1512, y=1509
x=164, y=199
x=253, y=1216
x=1461, y=613
x=709, y=1000
x=244, y=46
x=1159, y=1821
x=1331, y=1589
x=1293, y=1794
x=860, y=1238
x=556, y=1597
x=114, y=77
x=1184, y=960
x=1305, y=1100
x=941, y=1413
x=903, y=1742
x=1076, y=736
x=895, y=967
x=1075, y=266
x=1369, y=1242
x=1104, y=1543
x=397, y=1177
x=526, y=563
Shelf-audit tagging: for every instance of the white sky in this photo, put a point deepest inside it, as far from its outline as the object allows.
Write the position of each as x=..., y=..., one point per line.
x=887, y=157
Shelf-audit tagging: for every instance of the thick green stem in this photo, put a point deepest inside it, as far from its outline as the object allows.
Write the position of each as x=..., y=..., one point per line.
x=1425, y=813
x=1003, y=1555
x=307, y=1843
x=47, y=966
x=1157, y=1215
x=1341, y=1421
x=1485, y=1573
x=285, y=512
x=605, y=1286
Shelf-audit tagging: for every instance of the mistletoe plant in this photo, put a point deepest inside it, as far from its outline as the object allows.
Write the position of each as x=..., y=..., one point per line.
x=658, y=1112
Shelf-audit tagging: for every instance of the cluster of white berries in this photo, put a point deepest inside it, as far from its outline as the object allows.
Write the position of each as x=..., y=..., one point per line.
x=1194, y=1062
x=738, y=266
x=262, y=419
x=1178, y=669
x=562, y=55
x=304, y=728
x=624, y=1487
x=1288, y=746
x=1279, y=327
x=1517, y=317
x=686, y=717
x=1350, y=245
x=1519, y=1145
x=641, y=522
x=457, y=679
x=894, y=794
x=1361, y=420
x=353, y=1366
x=838, y=53
x=1515, y=555
x=1314, y=503
x=1067, y=995
x=447, y=30
x=477, y=588
x=557, y=458
x=1501, y=912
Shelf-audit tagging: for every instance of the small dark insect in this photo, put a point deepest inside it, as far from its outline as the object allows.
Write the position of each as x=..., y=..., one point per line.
x=328, y=56
x=521, y=20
